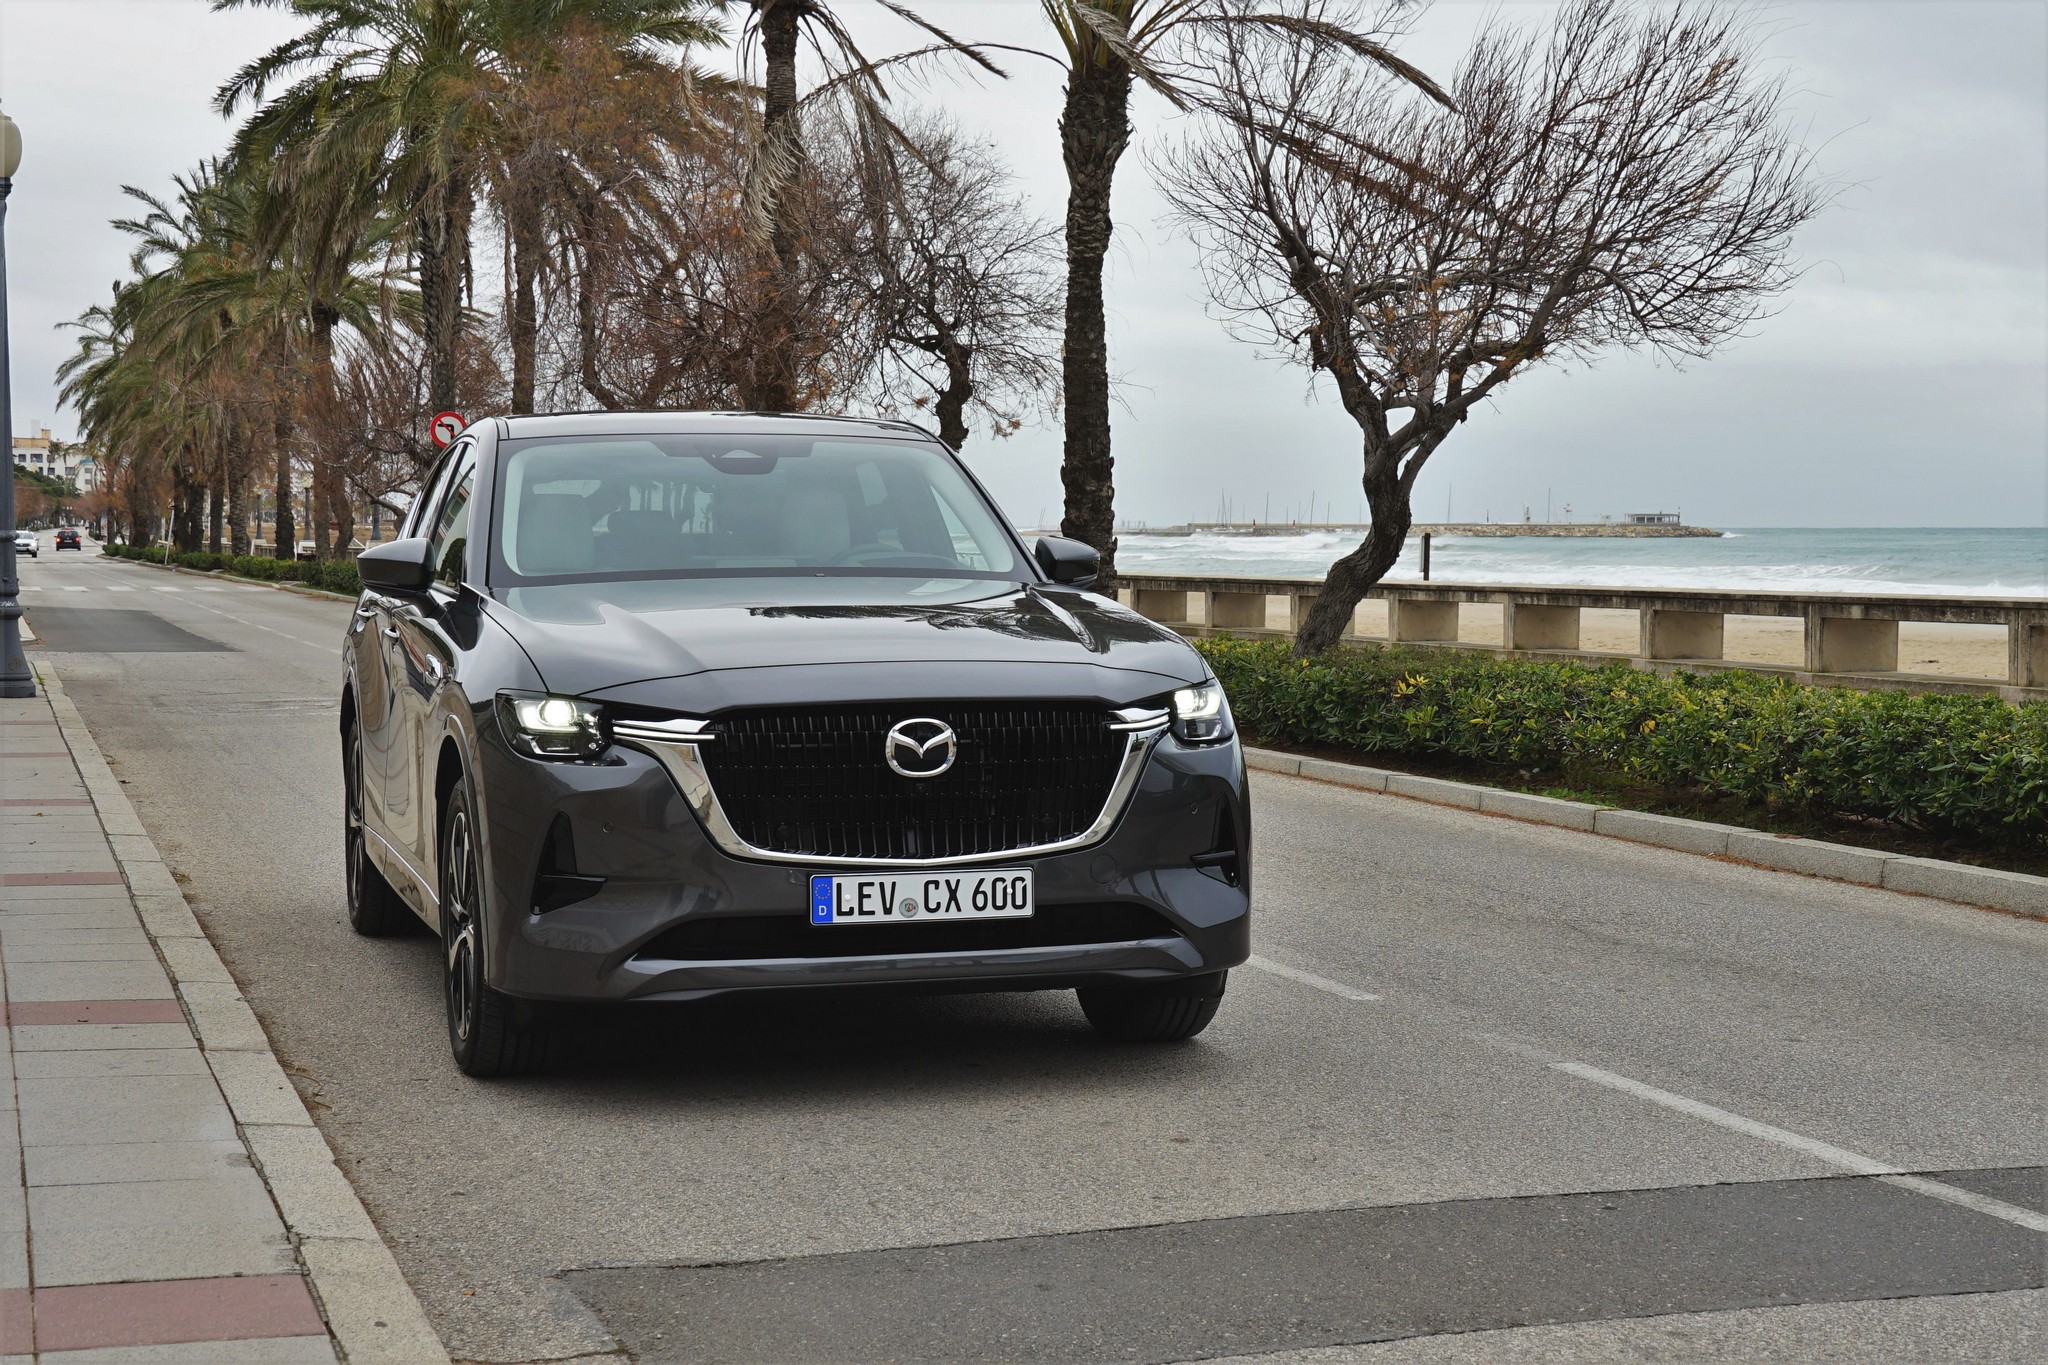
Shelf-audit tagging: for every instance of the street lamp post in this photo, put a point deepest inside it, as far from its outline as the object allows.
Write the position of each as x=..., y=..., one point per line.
x=15, y=679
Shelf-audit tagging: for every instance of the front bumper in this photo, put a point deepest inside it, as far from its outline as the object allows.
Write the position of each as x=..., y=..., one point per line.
x=664, y=881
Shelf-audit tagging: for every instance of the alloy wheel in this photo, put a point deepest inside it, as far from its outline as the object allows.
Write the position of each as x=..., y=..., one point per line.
x=459, y=909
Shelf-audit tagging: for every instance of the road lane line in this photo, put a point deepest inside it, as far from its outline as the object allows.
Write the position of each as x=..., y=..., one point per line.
x=69, y=588
x=1321, y=983
x=115, y=589
x=1840, y=1157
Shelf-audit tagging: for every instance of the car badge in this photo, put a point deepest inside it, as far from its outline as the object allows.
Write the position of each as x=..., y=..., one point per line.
x=921, y=747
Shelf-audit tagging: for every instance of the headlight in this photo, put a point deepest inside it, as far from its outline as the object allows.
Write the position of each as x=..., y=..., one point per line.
x=1200, y=714
x=558, y=728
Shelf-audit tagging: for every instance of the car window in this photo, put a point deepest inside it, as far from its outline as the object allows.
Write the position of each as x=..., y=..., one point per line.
x=451, y=527
x=430, y=489
x=698, y=505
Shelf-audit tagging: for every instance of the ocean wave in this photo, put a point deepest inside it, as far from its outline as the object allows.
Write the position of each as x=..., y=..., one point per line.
x=1915, y=561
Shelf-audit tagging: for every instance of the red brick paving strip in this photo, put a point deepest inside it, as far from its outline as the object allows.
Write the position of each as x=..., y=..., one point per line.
x=23, y=1012
x=15, y=1336
x=60, y=879
x=83, y=1317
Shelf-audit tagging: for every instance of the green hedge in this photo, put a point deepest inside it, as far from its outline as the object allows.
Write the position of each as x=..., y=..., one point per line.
x=1941, y=764
x=333, y=575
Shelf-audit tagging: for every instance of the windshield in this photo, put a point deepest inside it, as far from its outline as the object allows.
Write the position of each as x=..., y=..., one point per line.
x=577, y=508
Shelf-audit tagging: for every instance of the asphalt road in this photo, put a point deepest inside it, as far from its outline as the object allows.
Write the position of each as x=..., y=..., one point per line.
x=1499, y=1092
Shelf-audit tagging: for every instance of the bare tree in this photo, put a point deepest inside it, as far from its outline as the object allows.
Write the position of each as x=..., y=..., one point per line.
x=1627, y=182
x=667, y=297
x=967, y=291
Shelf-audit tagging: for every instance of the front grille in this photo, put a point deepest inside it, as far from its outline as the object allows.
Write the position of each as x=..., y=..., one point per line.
x=735, y=938
x=814, y=780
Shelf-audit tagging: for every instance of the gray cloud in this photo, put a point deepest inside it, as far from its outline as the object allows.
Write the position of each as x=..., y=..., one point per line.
x=1905, y=381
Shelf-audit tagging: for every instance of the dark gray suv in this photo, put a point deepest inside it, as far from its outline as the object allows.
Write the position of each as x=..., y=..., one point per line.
x=657, y=706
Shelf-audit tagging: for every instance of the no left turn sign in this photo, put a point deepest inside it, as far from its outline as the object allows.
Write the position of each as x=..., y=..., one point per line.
x=445, y=427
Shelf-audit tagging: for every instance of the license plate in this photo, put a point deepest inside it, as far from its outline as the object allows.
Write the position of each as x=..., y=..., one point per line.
x=919, y=897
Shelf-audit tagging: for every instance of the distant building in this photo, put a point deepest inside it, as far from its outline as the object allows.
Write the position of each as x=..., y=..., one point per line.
x=73, y=464
x=1653, y=519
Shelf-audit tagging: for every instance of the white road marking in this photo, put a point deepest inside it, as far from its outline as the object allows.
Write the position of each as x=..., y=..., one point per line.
x=1321, y=983
x=114, y=589
x=69, y=588
x=31, y=587
x=167, y=590
x=1821, y=1151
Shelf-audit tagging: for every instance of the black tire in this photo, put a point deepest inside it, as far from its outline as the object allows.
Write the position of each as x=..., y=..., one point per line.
x=490, y=1033
x=1166, y=1013
x=374, y=909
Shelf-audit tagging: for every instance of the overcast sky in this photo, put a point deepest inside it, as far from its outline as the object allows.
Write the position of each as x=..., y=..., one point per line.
x=1904, y=383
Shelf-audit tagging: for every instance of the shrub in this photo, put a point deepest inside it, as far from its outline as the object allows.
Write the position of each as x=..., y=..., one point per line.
x=334, y=575
x=1940, y=764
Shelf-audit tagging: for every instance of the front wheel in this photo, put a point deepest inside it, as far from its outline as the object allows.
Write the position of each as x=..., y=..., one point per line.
x=1165, y=1013
x=490, y=1033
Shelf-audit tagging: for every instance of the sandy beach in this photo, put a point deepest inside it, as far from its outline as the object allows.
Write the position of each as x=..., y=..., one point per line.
x=1962, y=651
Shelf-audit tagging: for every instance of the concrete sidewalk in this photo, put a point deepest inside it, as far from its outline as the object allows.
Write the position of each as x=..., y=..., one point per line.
x=165, y=1195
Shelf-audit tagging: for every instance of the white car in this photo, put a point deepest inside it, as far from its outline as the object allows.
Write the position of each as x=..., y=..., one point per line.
x=25, y=543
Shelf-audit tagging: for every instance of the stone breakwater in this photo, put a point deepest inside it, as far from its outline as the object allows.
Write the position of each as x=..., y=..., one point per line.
x=1456, y=528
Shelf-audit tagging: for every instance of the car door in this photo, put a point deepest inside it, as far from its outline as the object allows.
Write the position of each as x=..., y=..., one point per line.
x=376, y=716
x=423, y=660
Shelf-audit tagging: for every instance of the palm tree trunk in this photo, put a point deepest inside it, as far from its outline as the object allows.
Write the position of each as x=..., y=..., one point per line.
x=524, y=215
x=286, y=534
x=216, y=498
x=236, y=475
x=782, y=150
x=320, y=412
x=1095, y=127
x=443, y=250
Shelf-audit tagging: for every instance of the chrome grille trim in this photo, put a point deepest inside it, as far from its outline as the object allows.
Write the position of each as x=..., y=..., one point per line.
x=685, y=765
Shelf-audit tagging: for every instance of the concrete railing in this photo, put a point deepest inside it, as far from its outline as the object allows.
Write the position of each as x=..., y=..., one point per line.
x=1850, y=640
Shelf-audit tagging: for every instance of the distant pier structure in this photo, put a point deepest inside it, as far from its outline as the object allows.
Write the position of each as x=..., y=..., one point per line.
x=1637, y=526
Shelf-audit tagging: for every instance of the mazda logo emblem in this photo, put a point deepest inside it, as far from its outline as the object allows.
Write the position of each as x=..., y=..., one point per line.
x=922, y=747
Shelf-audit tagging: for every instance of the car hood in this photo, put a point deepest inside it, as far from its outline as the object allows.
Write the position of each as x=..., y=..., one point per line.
x=706, y=643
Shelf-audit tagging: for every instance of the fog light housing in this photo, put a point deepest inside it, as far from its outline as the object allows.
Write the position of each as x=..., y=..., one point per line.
x=558, y=729
x=1200, y=714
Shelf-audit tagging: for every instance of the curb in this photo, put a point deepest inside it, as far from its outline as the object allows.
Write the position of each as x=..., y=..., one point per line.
x=223, y=576
x=372, y=1313
x=2016, y=893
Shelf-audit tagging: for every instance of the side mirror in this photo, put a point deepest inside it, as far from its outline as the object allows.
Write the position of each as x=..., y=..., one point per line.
x=396, y=566
x=1067, y=561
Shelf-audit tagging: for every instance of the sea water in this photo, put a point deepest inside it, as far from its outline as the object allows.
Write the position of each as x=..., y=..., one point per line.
x=1939, y=561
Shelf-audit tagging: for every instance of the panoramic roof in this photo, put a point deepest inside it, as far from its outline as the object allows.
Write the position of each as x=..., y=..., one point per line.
x=680, y=423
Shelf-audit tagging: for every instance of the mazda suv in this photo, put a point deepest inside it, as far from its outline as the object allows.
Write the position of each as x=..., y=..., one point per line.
x=655, y=707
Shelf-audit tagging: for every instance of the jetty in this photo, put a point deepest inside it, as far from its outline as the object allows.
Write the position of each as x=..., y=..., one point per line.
x=1623, y=530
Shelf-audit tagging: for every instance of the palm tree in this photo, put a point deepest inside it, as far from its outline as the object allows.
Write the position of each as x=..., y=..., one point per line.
x=1107, y=46
x=405, y=98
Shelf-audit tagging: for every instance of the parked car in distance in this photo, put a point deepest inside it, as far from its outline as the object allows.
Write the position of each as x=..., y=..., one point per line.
x=653, y=707
x=26, y=543
x=68, y=539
